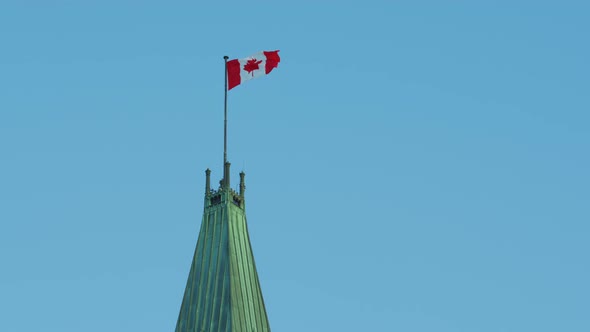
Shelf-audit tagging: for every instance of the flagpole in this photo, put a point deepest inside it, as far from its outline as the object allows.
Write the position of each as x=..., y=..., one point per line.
x=225, y=117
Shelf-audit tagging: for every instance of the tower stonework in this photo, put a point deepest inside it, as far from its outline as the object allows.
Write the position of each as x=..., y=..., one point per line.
x=223, y=292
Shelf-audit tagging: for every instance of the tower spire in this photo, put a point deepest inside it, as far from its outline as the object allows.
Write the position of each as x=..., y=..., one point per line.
x=223, y=292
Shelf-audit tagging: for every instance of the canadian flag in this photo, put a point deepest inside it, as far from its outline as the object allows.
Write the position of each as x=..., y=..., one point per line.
x=240, y=70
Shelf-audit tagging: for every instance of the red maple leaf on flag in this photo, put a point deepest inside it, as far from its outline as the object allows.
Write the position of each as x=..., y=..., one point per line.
x=252, y=65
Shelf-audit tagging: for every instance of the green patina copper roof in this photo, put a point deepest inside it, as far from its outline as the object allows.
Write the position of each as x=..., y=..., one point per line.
x=223, y=291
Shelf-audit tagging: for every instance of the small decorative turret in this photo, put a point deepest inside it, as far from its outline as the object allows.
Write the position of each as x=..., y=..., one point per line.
x=242, y=184
x=226, y=182
x=207, y=181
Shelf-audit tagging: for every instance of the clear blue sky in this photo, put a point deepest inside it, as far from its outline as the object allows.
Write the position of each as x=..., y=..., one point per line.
x=411, y=166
